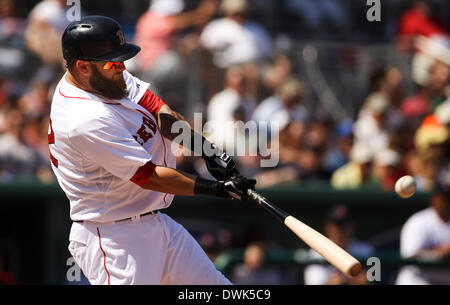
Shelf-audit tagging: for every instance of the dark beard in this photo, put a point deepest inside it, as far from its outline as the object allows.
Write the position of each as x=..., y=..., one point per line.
x=114, y=90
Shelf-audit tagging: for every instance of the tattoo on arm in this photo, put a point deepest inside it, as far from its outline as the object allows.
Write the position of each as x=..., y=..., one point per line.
x=167, y=117
x=165, y=124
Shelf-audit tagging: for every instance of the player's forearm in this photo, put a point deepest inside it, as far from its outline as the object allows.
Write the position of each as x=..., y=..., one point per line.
x=172, y=181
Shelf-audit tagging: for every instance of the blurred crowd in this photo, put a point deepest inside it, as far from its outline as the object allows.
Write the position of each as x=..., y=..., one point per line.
x=224, y=60
x=243, y=73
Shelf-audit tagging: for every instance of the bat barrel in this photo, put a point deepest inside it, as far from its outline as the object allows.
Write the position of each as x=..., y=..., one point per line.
x=334, y=254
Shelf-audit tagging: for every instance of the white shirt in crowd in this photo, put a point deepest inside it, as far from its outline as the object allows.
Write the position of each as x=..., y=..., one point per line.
x=423, y=230
x=52, y=12
x=221, y=112
x=233, y=43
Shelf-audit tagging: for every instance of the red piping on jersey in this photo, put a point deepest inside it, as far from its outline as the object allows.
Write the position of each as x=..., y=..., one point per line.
x=104, y=255
x=165, y=163
x=83, y=98
x=54, y=161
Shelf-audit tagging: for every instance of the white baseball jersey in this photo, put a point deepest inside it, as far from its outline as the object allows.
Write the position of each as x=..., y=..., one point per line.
x=103, y=151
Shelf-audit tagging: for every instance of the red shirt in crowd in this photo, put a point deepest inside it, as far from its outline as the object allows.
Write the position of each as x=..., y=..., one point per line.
x=415, y=22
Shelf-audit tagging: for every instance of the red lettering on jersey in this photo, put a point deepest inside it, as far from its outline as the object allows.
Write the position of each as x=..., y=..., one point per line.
x=144, y=135
x=142, y=132
x=150, y=124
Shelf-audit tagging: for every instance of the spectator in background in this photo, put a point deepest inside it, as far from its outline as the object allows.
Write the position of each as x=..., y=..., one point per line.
x=419, y=19
x=289, y=98
x=310, y=166
x=311, y=155
x=291, y=140
x=385, y=83
x=338, y=153
x=234, y=39
x=35, y=102
x=426, y=235
x=16, y=158
x=432, y=164
x=339, y=228
x=372, y=128
x=254, y=270
x=158, y=31
x=46, y=23
x=167, y=35
x=275, y=73
x=214, y=241
x=11, y=25
x=387, y=168
x=320, y=19
x=230, y=105
x=431, y=92
x=439, y=83
x=431, y=135
x=443, y=114
x=432, y=140
x=357, y=172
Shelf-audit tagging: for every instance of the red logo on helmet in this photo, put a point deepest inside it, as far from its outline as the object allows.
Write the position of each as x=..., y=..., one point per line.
x=121, y=38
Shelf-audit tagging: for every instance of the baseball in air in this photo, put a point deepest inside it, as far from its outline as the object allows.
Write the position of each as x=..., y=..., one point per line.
x=405, y=187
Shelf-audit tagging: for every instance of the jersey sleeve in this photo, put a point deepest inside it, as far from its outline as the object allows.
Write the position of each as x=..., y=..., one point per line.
x=139, y=93
x=104, y=142
x=151, y=102
x=136, y=88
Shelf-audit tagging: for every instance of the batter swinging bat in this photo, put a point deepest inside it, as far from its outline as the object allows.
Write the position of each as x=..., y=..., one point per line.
x=334, y=254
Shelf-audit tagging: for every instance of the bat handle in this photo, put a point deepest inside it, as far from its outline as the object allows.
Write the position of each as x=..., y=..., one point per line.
x=266, y=204
x=255, y=196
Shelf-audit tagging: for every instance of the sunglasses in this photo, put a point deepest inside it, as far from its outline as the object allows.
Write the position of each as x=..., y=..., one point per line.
x=111, y=65
x=108, y=65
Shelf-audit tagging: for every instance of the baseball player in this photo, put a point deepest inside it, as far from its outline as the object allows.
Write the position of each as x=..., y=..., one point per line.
x=109, y=139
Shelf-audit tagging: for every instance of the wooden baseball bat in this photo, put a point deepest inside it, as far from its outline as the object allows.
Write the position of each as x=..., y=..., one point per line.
x=334, y=254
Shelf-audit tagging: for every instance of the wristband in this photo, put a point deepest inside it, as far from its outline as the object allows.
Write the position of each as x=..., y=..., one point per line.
x=206, y=187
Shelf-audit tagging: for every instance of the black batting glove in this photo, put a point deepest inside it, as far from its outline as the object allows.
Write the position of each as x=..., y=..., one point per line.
x=235, y=188
x=219, y=164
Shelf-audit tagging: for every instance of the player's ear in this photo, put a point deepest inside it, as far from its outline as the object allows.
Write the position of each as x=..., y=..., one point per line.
x=83, y=67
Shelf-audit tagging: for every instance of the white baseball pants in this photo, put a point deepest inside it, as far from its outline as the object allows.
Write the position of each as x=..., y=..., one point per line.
x=151, y=250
